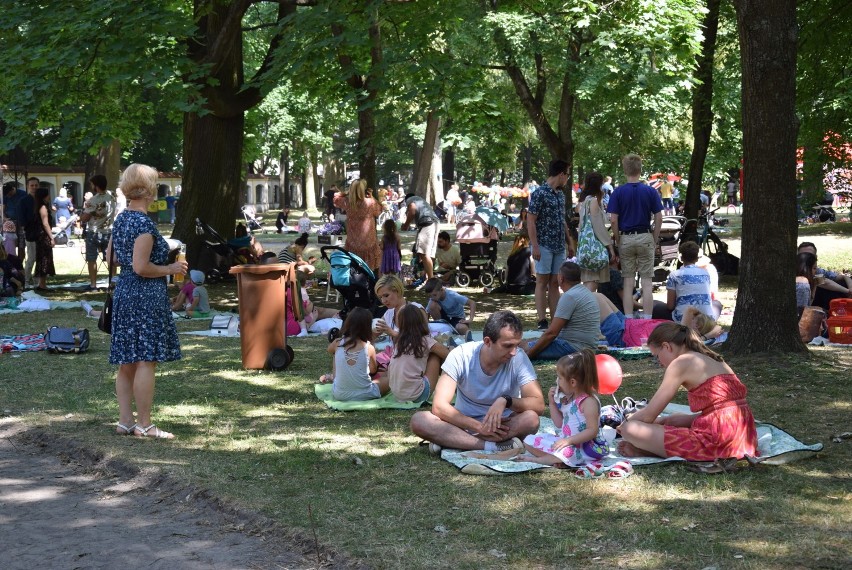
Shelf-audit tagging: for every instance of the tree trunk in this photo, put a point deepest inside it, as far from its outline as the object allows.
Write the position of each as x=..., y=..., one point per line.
x=765, y=318
x=436, y=189
x=213, y=138
x=212, y=148
x=108, y=163
x=308, y=188
x=284, y=180
x=702, y=113
x=420, y=184
x=449, y=169
x=527, y=164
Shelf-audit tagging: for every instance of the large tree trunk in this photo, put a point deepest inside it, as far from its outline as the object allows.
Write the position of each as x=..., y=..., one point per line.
x=765, y=318
x=213, y=139
x=212, y=178
x=366, y=93
x=702, y=112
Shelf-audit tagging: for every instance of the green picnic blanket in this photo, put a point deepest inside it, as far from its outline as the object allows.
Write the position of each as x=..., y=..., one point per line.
x=323, y=392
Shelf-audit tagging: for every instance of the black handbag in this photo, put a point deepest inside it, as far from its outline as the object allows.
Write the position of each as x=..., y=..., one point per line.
x=105, y=320
x=63, y=340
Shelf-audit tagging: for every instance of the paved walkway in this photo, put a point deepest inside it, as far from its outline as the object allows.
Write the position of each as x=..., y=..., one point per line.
x=61, y=507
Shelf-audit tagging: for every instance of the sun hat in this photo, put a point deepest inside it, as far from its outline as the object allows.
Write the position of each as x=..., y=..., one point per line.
x=197, y=277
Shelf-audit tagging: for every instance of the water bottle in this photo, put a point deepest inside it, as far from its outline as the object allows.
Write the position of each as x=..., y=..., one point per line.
x=178, y=277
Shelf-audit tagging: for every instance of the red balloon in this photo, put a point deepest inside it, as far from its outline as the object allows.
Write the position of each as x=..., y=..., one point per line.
x=609, y=374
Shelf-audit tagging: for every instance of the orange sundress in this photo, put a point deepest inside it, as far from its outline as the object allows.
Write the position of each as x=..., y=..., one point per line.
x=725, y=427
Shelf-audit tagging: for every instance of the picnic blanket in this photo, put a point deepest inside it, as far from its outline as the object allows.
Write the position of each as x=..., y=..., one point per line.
x=24, y=342
x=637, y=352
x=323, y=392
x=773, y=443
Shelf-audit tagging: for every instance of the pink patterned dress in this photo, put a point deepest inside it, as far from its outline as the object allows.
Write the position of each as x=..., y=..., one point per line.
x=573, y=422
x=724, y=429
x=361, y=238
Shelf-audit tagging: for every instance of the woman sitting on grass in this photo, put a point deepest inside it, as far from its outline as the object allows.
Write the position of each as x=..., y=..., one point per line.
x=355, y=361
x=722, y=424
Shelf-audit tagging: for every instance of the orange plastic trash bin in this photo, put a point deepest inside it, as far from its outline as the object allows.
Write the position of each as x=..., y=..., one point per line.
x=261, y=290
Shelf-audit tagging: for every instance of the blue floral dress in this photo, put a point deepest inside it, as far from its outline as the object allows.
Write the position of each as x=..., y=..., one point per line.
x=143, y=329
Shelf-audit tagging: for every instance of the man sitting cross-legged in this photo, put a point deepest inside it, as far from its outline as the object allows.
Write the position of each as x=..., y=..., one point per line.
x=498, y=398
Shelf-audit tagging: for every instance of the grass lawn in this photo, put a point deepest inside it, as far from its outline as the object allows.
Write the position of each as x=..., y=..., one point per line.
x=265, y=442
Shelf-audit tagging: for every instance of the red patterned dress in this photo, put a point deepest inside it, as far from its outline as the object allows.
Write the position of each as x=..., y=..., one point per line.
x=361, y=237
x=725, y=427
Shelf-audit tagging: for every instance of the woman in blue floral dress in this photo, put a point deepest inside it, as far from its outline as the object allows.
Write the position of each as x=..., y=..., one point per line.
x=143, y=331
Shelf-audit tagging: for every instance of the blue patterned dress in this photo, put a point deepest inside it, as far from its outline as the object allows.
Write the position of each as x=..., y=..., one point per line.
x=143, y=329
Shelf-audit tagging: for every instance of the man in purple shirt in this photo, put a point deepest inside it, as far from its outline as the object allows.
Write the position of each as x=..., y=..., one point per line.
x=630, y=209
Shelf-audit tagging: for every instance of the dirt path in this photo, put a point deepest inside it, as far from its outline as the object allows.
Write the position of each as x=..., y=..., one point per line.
x=62, y=506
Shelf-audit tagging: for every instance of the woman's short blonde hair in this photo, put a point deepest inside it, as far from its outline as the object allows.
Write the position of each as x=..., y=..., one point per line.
x=392, y=282
x=138, y=181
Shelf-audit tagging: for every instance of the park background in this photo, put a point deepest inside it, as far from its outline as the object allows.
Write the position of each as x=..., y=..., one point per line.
x=220, y=90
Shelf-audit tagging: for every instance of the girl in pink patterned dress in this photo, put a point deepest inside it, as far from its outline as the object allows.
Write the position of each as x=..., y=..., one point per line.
x=575, y=411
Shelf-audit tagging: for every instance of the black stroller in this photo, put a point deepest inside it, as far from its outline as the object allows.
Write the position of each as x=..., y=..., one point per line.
x=217, y=255
x=350, y=275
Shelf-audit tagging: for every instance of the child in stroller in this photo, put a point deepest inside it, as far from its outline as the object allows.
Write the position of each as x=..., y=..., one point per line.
x=62, y=231
x=252, y=219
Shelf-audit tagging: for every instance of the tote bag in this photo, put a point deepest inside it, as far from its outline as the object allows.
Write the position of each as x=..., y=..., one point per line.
x=591, y=253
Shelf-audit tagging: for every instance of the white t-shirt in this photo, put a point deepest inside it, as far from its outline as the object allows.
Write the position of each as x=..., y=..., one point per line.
x=476, y=390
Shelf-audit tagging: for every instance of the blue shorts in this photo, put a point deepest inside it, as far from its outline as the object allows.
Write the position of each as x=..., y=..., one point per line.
x=555, y=350
x=613, y=329
x=667, y=203
x=424, y=396
x=550, y=261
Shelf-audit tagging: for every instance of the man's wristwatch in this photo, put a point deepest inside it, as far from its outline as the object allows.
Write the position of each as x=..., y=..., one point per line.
x=508, y=399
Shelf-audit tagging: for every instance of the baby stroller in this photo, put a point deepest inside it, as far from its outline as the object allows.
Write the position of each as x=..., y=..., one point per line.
x=252, y=219
x=63, y=229
x=217, y=255
x=350, y=275
x=666, y=257
x=478, y=236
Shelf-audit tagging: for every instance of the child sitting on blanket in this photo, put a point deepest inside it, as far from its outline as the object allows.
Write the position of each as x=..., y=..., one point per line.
x=575, y=410
x=417, y=357
x=355, y=360
x=446, y=304
x=183, y=299
x=200, y=304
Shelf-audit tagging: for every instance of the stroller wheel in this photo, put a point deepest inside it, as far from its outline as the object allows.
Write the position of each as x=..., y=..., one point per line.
x=486, y=278
x=333, y=334
x=462, y=279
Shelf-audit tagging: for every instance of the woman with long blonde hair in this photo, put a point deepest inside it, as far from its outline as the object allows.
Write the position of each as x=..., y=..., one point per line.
x=361, y=212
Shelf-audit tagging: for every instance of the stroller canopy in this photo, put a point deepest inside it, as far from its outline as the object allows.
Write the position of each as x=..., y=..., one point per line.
x=493, y=218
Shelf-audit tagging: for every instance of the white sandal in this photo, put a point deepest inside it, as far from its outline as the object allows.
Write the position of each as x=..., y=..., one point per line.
x=157, y=434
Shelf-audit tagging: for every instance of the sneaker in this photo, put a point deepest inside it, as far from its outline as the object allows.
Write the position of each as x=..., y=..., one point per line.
x=542, y=325
x=434, y=449
x=417, y=283
x=513, y=443
x=91, y=288
x=303, y=333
